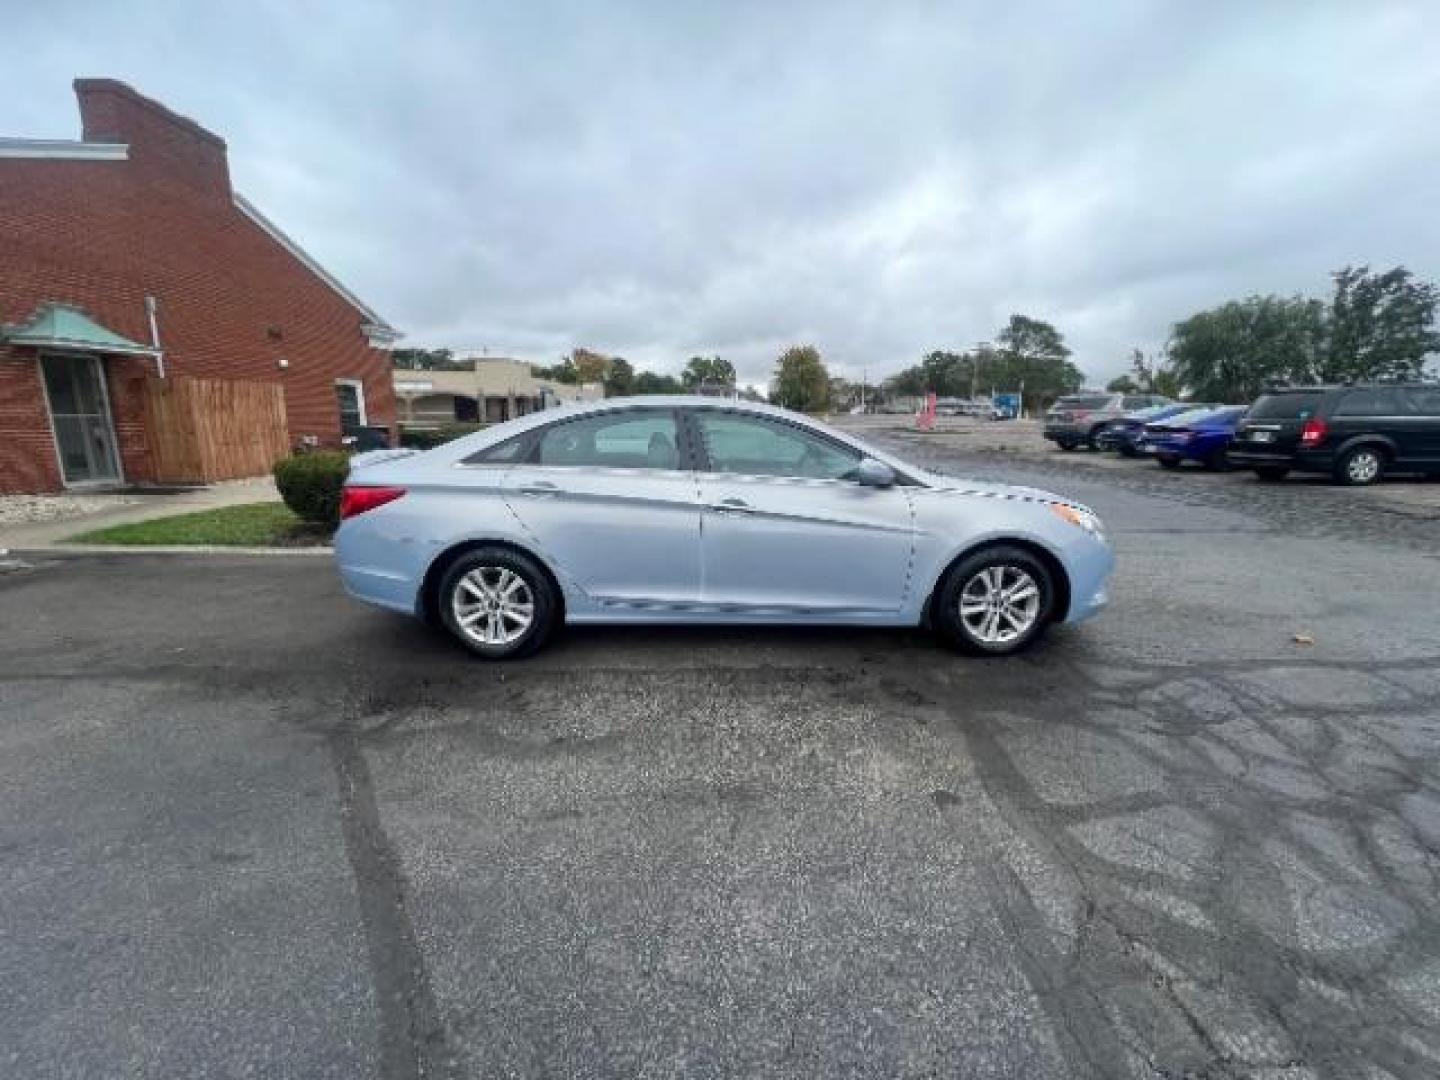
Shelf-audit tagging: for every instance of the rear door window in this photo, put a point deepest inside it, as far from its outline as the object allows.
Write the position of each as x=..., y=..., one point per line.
x=1374, y=401
x=1426, y=402
x=636, y=439
x=1300, y=406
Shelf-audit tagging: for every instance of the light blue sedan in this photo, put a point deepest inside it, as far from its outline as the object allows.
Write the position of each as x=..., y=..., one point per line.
x=698, y=510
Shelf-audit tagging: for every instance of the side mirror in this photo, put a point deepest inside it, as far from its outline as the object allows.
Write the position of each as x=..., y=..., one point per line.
x=872, y=473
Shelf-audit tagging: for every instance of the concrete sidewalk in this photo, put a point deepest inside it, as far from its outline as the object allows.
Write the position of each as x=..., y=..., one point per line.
x=147, y=504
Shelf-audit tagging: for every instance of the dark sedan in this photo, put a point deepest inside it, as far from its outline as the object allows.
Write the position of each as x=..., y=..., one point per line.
x=1202, y=435
x=1123, y=435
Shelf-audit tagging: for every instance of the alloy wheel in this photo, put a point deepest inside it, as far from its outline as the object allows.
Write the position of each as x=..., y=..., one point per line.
x=493, y=605
x=1363, y=467
x=999, y=604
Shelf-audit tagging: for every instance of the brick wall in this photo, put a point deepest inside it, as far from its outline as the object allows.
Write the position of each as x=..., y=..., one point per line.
x=232, y=300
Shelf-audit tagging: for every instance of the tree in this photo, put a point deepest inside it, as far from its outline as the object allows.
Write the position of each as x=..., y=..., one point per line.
x=563, y=372
x=1032, y=354
x=1231, y=353
x=707, y=371
x=422, y=359
x=590, y=367
x=1156, y=376
x=647, y=382
x=620, y=378
x=1123, y=384
x=801, y=381
x=1382, y=326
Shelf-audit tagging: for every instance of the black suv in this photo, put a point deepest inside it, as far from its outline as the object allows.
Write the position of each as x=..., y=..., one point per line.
x=1354, y=433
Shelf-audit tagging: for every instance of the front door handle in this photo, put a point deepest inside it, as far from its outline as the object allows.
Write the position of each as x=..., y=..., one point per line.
x=539, y=489
x=733, y=506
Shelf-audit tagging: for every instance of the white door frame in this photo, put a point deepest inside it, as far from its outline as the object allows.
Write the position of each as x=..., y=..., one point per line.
x=359, y=398
x=99, y=363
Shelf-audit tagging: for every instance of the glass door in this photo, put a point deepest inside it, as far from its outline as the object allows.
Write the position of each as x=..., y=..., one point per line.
x=80, y=417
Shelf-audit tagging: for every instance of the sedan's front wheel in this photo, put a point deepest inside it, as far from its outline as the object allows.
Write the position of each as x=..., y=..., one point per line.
x=995, y=601
x=497, y=602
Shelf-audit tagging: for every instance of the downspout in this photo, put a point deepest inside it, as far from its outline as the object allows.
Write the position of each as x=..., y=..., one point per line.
x=150, y=306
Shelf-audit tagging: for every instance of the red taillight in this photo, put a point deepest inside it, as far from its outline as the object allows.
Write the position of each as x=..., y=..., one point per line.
x=1312, y=433
x=357, y=500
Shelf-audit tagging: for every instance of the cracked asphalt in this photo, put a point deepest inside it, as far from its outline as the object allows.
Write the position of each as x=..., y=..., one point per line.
x=248, y=828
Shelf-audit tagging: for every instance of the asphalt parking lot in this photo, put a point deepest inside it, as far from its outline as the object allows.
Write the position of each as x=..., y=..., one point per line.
x=249, y=828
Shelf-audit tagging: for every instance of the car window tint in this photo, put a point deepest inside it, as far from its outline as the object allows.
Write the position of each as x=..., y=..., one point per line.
x=627, y=440
x=1425, y=402
x=1379, y=401
x=1144, y=401
x=501, y=453
x=1286, y=406
x=1090, y=403
x=755, y=446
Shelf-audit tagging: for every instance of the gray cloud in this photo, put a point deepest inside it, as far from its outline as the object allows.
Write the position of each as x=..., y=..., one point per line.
x=669, y=178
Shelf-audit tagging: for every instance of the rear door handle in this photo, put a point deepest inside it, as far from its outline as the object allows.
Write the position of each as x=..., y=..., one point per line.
x=733, y=506
x=539, y=489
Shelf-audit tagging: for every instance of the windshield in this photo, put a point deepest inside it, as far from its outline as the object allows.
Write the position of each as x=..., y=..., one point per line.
x=1300, y=406
x=1082, y=403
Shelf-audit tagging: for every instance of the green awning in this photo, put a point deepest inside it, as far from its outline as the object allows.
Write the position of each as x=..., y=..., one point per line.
x=64, y=326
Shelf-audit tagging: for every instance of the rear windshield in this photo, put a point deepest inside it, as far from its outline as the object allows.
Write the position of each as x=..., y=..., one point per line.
x=1286, y=406
x=1082, y=403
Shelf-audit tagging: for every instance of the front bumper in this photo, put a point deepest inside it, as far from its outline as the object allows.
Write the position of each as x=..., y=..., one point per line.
x=1089, y=564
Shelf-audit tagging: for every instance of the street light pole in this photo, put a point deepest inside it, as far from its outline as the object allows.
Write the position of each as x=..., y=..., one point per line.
x=980, y=347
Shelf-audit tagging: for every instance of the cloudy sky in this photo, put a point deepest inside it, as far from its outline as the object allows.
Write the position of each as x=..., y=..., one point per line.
x=878, y=179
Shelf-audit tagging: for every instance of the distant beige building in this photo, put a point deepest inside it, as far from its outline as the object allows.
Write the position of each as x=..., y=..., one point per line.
x=498, y=388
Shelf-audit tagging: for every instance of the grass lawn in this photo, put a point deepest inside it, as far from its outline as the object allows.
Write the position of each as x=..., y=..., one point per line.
x=248, y=525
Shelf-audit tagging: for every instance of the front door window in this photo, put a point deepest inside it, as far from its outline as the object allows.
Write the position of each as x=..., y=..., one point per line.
x=80, y=416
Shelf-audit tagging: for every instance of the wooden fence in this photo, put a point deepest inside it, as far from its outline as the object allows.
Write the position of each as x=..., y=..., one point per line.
x=202, y=430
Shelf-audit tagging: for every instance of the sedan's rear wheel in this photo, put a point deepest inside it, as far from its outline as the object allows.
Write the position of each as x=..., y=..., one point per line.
x=995, y=601
x=497, y=603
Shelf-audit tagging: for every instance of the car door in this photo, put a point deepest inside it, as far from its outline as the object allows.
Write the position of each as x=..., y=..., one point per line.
x=611, y=501
x=1381, y=410
x=787, y=528
x=1425, y=420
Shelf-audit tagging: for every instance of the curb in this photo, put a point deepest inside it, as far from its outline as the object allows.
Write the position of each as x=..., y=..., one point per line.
x=83, y=550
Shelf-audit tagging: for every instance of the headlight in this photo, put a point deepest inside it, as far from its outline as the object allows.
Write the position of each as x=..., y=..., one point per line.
x=1081, y=518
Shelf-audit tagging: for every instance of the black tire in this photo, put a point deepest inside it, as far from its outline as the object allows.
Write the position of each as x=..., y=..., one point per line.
x=544, y=604
x=1169, y=462
x=1127, y=449
x=1271, y=474
x=1092, y=440
x=945, y=607
x=1360, y=466
x=1066, y=444
x=1218, y=461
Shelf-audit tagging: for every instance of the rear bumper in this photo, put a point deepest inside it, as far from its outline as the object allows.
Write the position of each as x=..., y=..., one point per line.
x=1308, y=461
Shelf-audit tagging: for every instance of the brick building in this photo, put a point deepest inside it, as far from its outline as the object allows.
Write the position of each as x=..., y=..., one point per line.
x=126, y=256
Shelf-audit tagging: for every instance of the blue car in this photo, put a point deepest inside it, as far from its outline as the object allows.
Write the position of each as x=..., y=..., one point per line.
x=1124, y=434
x=698, y=510
x=1201, y=435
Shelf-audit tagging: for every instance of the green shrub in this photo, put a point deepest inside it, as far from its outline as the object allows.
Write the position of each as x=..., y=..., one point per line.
x=310, y=485
x=425, y=440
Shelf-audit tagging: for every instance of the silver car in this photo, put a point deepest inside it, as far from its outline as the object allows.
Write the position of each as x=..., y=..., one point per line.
x=698, y=510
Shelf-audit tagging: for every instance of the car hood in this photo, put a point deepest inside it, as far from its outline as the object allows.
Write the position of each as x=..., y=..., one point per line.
x=954, y=485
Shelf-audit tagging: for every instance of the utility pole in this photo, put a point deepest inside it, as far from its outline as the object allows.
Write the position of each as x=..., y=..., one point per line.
x=980, y=347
